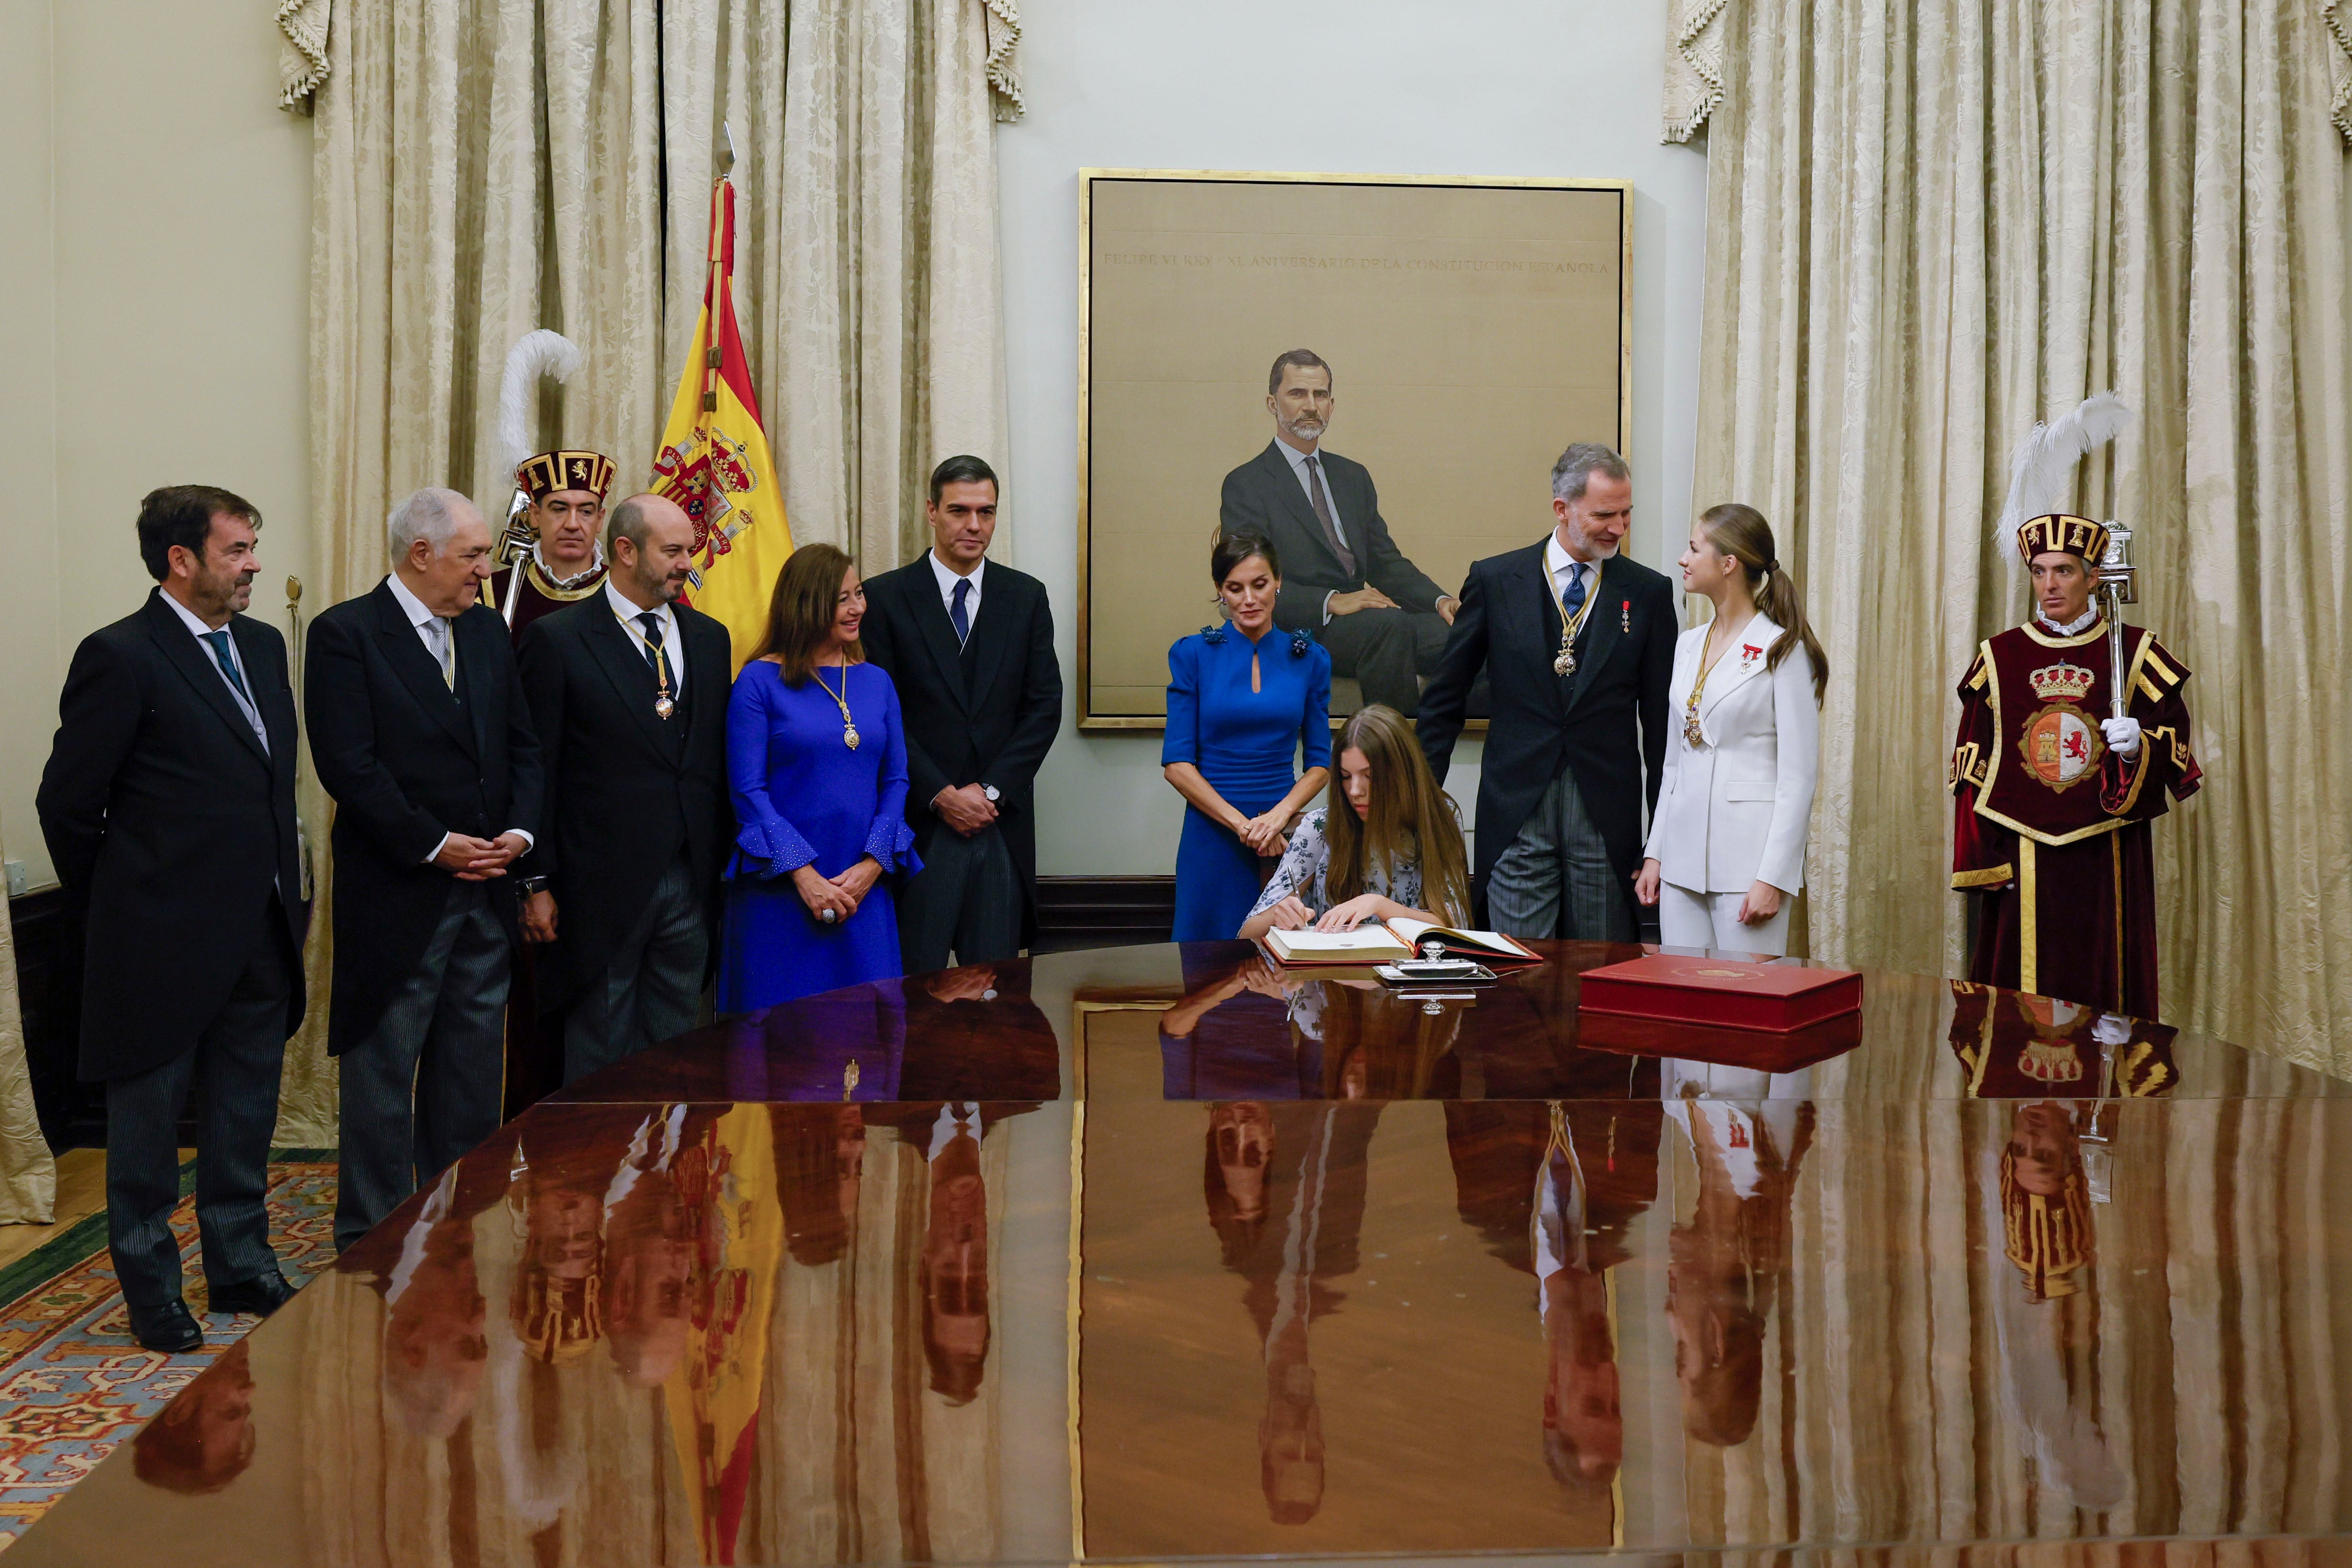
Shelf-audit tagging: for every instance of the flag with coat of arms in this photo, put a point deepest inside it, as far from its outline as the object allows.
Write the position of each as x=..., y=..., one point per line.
x=713, y=461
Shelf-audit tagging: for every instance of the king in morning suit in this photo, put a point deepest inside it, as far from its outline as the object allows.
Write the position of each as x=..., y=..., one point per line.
x=969, y=643
x=421, y=733
x=628, y=697
x=1573, y=757
x=168, y=805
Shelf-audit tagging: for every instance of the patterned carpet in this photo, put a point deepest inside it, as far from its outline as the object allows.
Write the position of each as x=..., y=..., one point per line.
x=73, y=1383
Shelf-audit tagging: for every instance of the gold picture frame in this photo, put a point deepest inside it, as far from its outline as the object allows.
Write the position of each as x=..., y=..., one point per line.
x=1414, y=287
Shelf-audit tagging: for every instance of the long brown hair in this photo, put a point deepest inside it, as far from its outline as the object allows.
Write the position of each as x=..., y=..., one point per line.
x=801, y=611
x=1741, y=532
x=1410, y=819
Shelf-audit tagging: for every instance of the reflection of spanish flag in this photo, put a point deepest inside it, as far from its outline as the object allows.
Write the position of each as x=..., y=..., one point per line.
x=714, y=458
x=727, y=1179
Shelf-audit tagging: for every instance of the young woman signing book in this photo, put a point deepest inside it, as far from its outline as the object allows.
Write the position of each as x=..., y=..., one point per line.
x=1384, y=844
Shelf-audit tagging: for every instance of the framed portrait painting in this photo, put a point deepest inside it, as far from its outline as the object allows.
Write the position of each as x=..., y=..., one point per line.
x=1433, y=343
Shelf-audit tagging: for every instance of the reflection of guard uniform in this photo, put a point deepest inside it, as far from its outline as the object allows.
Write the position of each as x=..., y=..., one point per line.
x=2049, y=822
x=2014, y=1045
x=524, y=589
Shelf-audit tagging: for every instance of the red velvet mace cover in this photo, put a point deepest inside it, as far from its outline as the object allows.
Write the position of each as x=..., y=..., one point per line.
x=1728, y=993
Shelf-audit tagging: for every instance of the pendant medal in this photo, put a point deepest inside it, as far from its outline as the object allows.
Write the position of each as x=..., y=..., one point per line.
x=1566, y=663
x=664, y=708
x=849, y=736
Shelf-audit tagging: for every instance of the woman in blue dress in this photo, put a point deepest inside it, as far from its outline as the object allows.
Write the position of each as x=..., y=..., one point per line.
x=817, y=761
x=1241, y=698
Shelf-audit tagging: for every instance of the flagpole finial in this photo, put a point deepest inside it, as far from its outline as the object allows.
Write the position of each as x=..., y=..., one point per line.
x=726, y=159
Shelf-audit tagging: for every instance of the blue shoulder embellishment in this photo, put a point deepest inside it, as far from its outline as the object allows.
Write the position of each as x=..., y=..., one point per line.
x=1299, y=643
x=1212, y=634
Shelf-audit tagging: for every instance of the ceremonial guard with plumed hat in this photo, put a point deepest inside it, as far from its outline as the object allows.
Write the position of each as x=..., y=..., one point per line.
x=2056, y=774
x=553, y=551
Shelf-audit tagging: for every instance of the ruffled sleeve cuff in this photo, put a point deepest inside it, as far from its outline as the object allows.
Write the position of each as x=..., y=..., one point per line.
x=769, y=850
x=892, y=845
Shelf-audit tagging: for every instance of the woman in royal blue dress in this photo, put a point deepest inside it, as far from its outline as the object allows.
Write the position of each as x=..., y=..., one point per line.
x=817, y=761
x=1243, y=698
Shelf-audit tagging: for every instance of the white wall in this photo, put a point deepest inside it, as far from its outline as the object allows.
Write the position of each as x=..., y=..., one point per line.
x=154, y=303
x=1525, y=87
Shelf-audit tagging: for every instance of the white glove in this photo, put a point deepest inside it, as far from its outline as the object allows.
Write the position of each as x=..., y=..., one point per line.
x=2123, y=736
x=2111, y=1029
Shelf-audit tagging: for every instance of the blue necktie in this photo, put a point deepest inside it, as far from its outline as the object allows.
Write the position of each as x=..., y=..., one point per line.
x=218, y=642
x=1574, y=600
x=958, y=614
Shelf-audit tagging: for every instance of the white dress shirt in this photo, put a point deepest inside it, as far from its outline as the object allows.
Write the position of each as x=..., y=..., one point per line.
x=422, y=619
x=1297, y=460
x=244, y=699
x=948, y=579
x=628, y=613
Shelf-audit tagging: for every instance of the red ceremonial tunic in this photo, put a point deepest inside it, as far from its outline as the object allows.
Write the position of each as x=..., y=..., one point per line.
x=539, y=593
x=2052, y=825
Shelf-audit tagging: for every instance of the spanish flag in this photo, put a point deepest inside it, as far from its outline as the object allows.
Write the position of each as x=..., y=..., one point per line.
x=714, y=458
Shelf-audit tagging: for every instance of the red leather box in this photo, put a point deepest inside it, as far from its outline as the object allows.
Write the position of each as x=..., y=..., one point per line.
x=1727, y=993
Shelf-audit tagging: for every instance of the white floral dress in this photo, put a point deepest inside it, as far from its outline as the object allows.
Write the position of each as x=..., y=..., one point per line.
x=1304, y=864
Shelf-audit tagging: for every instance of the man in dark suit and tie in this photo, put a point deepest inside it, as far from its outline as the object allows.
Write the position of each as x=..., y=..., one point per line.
x=420, y=730
x=969, y=642
x=168, y=805
x=1578, y=642
x=628, y=695
x=1343, y=578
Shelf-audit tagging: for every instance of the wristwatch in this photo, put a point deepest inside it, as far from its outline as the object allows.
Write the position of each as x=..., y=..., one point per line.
x=531, y=885
x=989, y=791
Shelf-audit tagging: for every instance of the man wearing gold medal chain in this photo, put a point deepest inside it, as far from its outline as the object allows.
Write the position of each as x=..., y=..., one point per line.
x=1576, y=641
x=628, y=691
x=2054, y=795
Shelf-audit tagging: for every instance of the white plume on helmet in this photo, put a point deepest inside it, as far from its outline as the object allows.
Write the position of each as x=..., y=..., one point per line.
x=535, y=353
x=2043, y=468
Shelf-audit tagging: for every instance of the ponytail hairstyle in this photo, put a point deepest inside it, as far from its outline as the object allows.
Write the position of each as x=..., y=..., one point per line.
x=1411, y=820
x=1741, y=532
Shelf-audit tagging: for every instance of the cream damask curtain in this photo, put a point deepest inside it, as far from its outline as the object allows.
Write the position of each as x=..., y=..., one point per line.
x=482, y=168
x=1930, y=225
x=29, y=1176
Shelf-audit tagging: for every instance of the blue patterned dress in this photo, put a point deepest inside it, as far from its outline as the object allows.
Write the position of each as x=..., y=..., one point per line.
x=804, y=797
x=1244, y=743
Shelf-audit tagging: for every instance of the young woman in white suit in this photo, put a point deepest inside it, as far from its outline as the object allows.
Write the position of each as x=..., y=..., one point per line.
x=1727, y=850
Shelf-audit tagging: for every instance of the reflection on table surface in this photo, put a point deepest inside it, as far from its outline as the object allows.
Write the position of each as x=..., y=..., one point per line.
x=1234, y=1025
x=1327, y=1280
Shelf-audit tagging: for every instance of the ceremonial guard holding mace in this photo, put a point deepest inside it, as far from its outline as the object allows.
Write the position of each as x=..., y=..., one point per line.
x=2059, y=767
x=551, y=553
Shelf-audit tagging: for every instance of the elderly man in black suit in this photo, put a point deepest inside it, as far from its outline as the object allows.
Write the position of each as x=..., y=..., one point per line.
x=420, y=730
x=969, y=642
x=1343, y=578
x=168, y=805
x=1578, y=643
x=628, y=695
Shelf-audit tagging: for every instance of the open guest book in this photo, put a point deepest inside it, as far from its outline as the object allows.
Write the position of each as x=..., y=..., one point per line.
x=1386, y=942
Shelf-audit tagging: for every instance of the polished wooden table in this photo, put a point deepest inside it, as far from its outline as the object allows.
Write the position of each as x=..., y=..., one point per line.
x=1158, y=1252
